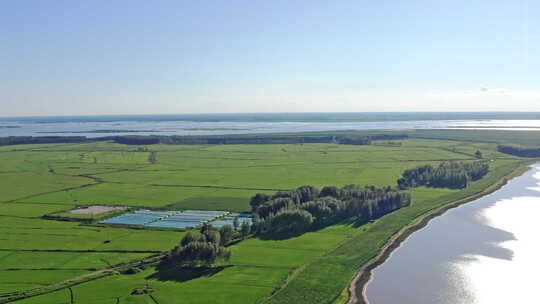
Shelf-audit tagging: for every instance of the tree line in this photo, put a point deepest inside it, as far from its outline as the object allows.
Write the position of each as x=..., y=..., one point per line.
x=251, y=139
x=23, y=140
x=203, y=140
x=453, y=175
x=306, y=208
x=519, y=151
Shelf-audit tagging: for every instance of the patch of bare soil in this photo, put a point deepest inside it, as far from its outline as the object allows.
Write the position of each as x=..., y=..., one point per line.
x=94, y=210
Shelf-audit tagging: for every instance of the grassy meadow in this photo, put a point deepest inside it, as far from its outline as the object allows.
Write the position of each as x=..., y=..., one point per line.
x=316, y=267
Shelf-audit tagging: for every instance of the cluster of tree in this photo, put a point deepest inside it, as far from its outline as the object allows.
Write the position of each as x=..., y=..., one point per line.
x=519, y=151
x=244, y=228
x=203, y=248
x=305, y=208
x=478, y=154
x=453, y=175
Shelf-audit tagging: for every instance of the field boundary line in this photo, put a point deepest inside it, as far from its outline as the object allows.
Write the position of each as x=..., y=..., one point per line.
x=153, y=299
x=50, y=192
x=219, y=187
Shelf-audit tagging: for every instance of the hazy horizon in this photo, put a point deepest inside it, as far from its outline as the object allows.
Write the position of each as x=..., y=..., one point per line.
x=135, y=57
x=278, y=113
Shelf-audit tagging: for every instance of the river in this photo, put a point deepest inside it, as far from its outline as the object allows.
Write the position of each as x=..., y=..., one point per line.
x=483, y=252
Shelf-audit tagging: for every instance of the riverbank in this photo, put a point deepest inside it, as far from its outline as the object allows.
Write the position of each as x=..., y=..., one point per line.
x=357, y=287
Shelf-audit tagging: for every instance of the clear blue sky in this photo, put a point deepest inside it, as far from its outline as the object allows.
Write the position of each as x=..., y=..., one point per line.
x=131, y=57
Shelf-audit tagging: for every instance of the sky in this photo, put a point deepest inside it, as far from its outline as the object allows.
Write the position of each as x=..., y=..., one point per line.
x=172, y=57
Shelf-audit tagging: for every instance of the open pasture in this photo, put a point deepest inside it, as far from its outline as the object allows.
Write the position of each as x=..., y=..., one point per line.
x=257, y=268
x=30, y=210
x=224, y=177
x=38, y=234
x=43, y=179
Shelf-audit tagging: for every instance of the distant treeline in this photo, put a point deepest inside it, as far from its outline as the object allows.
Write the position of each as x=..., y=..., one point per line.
x=203, y=140
x=453, y=175
x=519, y=151
x=306, y=208
x=263, y=139
x=24, y=140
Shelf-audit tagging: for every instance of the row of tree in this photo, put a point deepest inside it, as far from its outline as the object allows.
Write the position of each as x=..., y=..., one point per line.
x=23, y=140
x=307, y=207
x=253, y=139
x=203, y=140
x=519, y=151
x=453, y=175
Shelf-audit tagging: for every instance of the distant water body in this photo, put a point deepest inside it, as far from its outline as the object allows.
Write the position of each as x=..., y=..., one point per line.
x=227, y=124
x=484, y=252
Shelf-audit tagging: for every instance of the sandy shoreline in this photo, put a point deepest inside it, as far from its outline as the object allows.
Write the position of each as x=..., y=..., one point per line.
x=357, y=287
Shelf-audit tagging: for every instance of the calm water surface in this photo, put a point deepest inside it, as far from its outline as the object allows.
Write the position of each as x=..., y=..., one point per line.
x=484, y=252
x=163, y=126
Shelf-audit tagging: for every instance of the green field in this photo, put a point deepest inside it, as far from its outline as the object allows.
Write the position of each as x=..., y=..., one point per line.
x=316, y=267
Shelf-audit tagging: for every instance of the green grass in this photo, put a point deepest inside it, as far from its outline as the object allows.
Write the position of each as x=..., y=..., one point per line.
x=324, y=279
x=25, y=184
x=33, y=234
x=257, y=268
x=225, y=177
x=54, y=178
x=64, y=260
x=151, y=196
x=29, y=209
x=27, y=279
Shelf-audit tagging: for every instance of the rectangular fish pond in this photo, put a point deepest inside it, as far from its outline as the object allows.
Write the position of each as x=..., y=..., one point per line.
x=229, y=219
x=178, y=219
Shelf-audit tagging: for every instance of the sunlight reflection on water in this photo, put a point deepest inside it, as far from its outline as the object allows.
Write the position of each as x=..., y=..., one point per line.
x=493, y=280
x=485, y=252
